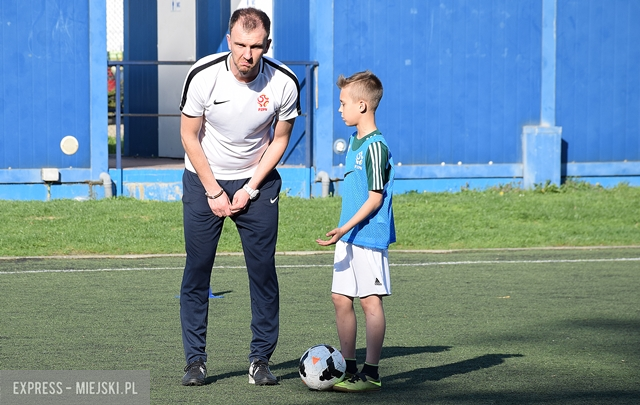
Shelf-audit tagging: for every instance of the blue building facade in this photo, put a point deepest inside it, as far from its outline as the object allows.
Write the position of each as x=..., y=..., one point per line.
x=477, y=93
x=53, y=89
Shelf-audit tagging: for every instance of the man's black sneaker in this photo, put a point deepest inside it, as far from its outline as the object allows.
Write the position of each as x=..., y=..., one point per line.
x=259, y=374
x=195, y=374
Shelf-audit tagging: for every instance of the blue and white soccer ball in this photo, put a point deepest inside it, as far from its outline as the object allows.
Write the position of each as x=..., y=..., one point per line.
x=321, y=367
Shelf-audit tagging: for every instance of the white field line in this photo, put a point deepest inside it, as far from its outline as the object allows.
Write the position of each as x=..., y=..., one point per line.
x=320, y=252
x=296, y=266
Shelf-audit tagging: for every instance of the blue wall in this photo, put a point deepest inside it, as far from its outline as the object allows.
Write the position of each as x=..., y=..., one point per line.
x=52, y=84
x=466, y=83
x=290, y=34
x=464, y=78
x=45, y=77
x=212, y=20
x=461, y=78
x=598, y=93
x=141, y=82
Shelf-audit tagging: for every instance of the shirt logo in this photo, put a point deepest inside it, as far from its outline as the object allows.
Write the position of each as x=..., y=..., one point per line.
x=359, y=160
x=216, y=102
x=263, y=101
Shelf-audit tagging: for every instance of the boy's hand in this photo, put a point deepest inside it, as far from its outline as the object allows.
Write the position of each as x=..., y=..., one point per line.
x=334, y=236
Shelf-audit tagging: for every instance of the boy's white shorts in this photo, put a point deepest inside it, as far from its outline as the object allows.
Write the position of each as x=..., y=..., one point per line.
x=360, y=271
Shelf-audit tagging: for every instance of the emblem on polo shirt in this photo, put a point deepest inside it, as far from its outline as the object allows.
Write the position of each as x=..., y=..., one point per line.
x=263, y=101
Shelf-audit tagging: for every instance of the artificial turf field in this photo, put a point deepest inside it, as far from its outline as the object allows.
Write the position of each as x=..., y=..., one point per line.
x=536, y=326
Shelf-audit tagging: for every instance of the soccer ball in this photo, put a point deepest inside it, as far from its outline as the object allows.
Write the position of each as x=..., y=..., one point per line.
x=321, y=367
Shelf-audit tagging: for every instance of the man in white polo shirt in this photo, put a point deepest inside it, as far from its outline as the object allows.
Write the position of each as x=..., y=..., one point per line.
x=238, y=110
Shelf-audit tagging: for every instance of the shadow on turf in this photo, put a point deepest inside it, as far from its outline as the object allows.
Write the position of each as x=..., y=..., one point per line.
x=392, y=351
x=407, y=378
x=388, y=352
x=219, y=294
x=422, y=375
x=222, y=293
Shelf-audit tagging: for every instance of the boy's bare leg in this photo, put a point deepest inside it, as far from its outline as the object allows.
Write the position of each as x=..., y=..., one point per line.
x=376, y=326
x=346, y=324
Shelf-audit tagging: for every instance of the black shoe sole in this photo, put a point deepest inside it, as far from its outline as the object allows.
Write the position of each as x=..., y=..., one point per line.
x=266, y=383
x=192, y=383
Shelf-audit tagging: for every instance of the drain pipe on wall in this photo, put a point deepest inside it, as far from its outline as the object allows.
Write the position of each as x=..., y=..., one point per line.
x=323, y=177
x=106, y=183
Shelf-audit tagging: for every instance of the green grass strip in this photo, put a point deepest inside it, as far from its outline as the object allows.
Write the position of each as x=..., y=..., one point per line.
x=572, y=215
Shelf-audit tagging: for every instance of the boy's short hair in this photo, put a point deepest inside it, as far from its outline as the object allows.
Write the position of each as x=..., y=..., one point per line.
x=252, y=18
x=363, y=86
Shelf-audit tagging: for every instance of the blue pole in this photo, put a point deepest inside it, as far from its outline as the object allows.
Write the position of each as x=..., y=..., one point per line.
x=118, y=118
x=548, y=78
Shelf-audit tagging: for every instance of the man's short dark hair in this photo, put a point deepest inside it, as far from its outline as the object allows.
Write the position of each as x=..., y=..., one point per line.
x=251, y=18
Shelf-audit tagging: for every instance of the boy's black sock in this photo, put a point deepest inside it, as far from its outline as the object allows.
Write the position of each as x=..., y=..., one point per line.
x=371, y=370
x=352, y=366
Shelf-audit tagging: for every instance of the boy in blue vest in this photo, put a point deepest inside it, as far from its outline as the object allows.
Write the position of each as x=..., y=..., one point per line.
x=365, y=230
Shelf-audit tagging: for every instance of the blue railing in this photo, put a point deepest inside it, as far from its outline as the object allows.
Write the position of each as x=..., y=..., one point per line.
x=308, y=115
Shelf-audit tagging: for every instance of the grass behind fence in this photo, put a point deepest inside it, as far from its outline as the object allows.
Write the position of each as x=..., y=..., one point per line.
x=573, y=215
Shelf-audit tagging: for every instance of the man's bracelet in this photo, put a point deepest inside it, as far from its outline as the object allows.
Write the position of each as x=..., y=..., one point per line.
x=213, y=197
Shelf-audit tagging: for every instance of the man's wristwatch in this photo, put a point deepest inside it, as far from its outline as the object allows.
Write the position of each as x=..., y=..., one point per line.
x=253, y=194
